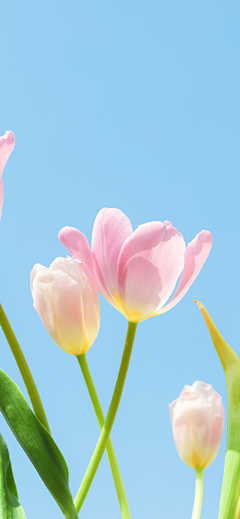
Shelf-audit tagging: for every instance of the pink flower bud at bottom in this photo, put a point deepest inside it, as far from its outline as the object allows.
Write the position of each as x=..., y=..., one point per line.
x=197, y=418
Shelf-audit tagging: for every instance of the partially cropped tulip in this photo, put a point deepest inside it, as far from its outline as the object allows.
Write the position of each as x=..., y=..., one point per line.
x=137, y=271
x=66, y=299
x=6, y=147
x=197, y=418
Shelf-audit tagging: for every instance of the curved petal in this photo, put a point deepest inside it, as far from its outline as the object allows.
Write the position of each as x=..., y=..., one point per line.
x=149, y=265
x=111, y=229
x=192, y=430
x=70, y=266
x=1, y=196
x=6, y=146
x=34, y=272
x=196, y=254
x=76, y=243
x=61, y=316
x=90, y=306
x=217, y=429
x=88, y=296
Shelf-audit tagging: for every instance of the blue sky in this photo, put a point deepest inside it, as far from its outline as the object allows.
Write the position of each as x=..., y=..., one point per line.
x=132, y=105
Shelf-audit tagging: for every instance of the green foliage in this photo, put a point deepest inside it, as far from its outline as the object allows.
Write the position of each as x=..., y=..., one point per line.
x=38, y=445
x=9, y=505
x=231, y=366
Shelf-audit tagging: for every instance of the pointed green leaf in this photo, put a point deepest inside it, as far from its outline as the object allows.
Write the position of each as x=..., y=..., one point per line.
x=37, y=443
x=9, y=505
x=231, y=365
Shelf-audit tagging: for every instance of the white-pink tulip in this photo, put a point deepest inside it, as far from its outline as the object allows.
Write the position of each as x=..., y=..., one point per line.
x=66, y=300
x=6, y=146
x=197, y=417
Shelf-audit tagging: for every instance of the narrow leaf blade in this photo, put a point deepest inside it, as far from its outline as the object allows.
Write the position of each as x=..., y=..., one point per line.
x=9, y=505
x=37, y=443
x=231, y=366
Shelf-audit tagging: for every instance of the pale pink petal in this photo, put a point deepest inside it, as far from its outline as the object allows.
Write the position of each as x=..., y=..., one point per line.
x=76, y=243
x=217, y=428
x=78, y=273
x=60, y=315
x=192, y=428
x=110, y=231
x=90, y=306
x=41, y=287
x=6, y=147
x=149, y=265
x=196, y=254
x=1, y=196
x=34, y=272
x=69, y=266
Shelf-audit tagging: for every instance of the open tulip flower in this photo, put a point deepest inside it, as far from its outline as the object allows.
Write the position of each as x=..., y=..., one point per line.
x=137, y=271
x=6, y=147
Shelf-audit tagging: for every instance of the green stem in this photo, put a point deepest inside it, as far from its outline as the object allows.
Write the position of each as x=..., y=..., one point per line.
x=106, y=429
x=24, y=369
x=197, y=507
x=117, y=478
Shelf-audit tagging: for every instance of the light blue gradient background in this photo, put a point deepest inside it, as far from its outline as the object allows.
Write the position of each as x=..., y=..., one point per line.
x=135, y=105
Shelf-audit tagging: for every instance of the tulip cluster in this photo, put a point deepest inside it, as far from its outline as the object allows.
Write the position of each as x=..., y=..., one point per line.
x=137, y=271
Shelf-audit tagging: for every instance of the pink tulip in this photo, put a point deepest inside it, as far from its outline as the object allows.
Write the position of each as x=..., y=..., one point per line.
x=197, y=418
x=6, y=147
x=137, y=271
x=66, y=299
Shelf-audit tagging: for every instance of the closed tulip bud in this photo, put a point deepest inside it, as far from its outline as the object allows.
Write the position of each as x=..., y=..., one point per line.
x=66, y=300
x=197, y=418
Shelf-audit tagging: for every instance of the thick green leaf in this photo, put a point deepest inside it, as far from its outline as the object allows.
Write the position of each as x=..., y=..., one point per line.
x=9, y=505
x=231, y=366
x=37, y=443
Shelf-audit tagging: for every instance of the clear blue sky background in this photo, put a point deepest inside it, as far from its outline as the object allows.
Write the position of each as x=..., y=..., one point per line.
x=135, y=105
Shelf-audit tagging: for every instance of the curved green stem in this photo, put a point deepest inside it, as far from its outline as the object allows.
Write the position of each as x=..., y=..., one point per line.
x=117, y=478
x=24, y=369
x=197, y=507
x=106, y=429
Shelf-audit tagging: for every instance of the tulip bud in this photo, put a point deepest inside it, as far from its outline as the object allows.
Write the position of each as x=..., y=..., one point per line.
x=66, y=300
x=197, y=417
